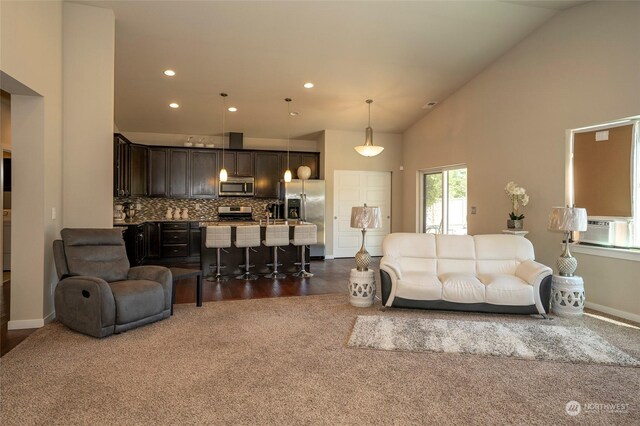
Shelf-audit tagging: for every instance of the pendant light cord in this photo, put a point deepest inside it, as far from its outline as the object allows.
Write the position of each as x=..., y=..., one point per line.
x=224, y=104
x=288, y=100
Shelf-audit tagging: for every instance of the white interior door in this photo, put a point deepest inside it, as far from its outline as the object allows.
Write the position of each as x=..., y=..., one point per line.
x=354, y=188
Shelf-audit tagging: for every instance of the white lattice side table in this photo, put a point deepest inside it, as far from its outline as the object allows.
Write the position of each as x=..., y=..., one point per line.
x=362, y=288
x=567, y=296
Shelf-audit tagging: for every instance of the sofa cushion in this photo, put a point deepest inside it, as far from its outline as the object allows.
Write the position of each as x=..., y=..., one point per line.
x=462, y=288
x=501, y=247
x=503, y=289
x=417, y=264
x=137, y=299
x=419, y=286
x=406, y=244
x=455, y=247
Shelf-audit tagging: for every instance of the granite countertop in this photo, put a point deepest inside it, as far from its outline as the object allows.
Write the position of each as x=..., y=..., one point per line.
x=204, y=221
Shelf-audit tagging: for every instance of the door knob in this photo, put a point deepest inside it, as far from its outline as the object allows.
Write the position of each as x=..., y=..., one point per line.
x=335, y=217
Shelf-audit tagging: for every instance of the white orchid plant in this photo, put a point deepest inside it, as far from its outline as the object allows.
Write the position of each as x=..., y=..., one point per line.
x=518, y=197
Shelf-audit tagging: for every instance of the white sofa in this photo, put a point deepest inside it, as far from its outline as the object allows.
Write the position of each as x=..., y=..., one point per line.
x=484, y=273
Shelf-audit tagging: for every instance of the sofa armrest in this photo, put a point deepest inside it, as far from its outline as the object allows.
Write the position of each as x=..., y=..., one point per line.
x=536, y=274
x=390, y=273
x=158, y=274
x=392, y=264
x=531, y=271
x=85, y=304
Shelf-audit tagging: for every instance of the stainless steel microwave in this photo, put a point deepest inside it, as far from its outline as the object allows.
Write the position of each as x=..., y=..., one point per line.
x=237, y=187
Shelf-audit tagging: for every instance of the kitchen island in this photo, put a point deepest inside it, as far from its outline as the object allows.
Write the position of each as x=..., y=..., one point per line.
x=260, y=258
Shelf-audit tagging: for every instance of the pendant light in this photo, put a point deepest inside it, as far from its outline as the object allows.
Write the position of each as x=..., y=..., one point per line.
x=369, y=149
x=287, y=173
x=223, y=171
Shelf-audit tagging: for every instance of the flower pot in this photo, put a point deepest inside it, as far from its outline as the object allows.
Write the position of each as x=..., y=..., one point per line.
x=514, y=224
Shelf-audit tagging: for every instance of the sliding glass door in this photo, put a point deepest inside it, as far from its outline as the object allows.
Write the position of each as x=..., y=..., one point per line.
x=444, y=201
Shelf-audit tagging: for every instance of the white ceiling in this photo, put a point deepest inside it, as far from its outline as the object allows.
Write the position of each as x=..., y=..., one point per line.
x=400, y=54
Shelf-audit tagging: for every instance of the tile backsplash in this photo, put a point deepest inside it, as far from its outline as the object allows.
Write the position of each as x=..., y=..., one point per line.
x=156, y=208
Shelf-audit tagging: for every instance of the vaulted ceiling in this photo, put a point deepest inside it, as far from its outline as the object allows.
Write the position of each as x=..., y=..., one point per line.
x=400, y=54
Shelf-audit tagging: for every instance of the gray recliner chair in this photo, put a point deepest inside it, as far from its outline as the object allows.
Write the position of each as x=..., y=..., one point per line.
x=98, y=293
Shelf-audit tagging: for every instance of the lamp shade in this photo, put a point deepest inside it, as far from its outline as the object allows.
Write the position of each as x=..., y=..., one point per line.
x=568, y=219
x=364, y=217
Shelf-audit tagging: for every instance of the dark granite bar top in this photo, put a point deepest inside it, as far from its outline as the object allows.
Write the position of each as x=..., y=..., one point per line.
x=204, y=222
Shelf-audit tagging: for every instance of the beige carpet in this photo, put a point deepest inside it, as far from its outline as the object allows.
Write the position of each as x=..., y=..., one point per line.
x=285, y=361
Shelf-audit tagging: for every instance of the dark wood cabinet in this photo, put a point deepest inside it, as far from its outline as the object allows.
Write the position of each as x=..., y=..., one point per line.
x=194, y=239
x=179, y=173
x=267, y=174
x=175, y=239
x=238, y=163
x=135, y=243
x=297, y=159
x=153, y=239
x=138, y=161
x=158, y=165
x=204, y=178
x=121, y=178
x=156, y=171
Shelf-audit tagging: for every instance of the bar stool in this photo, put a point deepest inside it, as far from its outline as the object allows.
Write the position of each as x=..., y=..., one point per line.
x=304, y=235
x=219, y=238
x=247, y=237
x=276, y=236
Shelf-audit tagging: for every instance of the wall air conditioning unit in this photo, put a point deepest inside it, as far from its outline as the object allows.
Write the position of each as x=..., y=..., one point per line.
x=606, y=232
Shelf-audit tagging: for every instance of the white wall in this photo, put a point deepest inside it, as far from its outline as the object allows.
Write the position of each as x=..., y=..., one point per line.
x=31, y=53
x=509, y=123
x=166, y=139
x=337, y=153
x=88, y=81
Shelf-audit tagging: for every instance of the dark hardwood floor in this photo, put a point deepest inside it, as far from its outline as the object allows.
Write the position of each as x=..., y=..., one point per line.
x=330, y=276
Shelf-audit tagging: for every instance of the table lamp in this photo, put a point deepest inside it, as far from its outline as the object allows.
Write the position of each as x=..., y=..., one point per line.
x=364, y=217
x=567, y=220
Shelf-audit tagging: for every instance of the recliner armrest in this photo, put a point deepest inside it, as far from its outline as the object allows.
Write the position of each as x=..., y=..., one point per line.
x=85, y=304
x=159, y=274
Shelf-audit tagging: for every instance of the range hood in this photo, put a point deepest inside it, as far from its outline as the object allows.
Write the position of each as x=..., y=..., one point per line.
x=236, y=140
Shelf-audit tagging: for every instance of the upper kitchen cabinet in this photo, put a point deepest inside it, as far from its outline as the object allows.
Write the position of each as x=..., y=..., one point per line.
x=121, y=168
x=238, y=163
x=204, y=178
x=158, y=166
x=267, y=176
x=139, y=159
x=179, y=178
x=297, y=159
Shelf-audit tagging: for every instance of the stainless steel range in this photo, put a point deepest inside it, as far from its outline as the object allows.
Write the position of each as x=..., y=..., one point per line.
x=235, y=214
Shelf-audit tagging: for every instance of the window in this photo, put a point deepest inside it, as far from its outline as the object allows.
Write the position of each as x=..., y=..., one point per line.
x=443, y=204
x=604, y=178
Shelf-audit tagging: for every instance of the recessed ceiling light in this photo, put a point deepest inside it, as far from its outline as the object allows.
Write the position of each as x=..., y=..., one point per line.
x=294, y=113
x=170, y=73
x=174, y=105
x=308, y=85
x=232, y=109
x=429, y=105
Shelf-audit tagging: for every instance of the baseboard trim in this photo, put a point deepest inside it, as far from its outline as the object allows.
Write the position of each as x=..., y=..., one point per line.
x=607, y=310
x=22, y=324
x=329, y=257
x=50, y=317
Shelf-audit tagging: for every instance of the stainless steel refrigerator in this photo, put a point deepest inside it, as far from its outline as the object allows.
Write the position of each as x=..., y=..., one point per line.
x=307, y=204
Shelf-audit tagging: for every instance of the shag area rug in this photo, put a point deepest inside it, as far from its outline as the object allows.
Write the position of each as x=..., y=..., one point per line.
x=519, y=340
